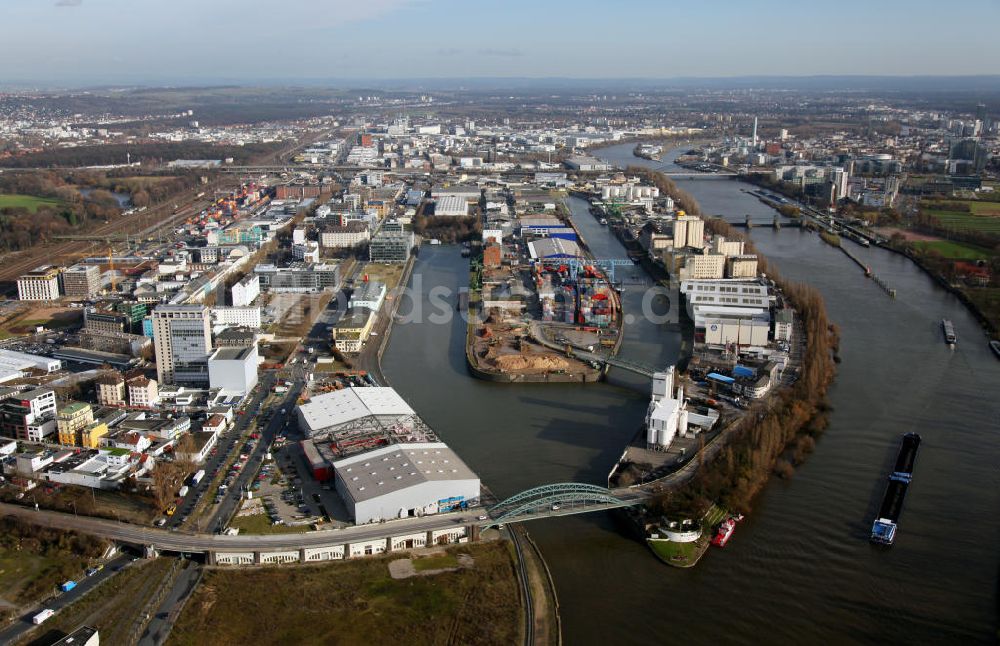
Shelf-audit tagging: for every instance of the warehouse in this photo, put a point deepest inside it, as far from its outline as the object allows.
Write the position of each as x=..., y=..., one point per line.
x=405, y=480
x=385, y=461
x=554, y=248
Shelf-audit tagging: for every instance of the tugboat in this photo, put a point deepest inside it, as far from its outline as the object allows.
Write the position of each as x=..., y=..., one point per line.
x=725, y=530
x=949, y=332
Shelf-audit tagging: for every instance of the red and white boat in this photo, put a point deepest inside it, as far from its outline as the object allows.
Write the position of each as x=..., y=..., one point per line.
x=725, y=530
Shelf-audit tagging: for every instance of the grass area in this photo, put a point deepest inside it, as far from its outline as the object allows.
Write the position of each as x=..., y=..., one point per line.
x=25, y=577
x=113, y=505
x=670, y=551
x=436, y=562
x=261, y=524
x=985, y=220
x=953, y=250
x=388, y=274
x=113, y=606
x=29, y=202
x=35, y=560
x=49, y=318
x=356, y=602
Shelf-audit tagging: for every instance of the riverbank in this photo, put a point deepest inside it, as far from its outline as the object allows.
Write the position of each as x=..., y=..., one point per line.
x=768, y=439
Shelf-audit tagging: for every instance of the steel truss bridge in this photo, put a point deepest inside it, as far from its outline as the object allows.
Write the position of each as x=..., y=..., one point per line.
x=562, y=499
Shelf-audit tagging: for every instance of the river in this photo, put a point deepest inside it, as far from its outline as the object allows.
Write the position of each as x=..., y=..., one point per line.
x=799, y=569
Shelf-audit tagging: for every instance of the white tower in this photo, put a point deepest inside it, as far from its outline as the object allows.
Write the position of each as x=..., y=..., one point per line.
x=755, y=132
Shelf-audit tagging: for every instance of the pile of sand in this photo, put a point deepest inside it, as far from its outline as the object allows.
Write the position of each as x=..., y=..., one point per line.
x=520, y=363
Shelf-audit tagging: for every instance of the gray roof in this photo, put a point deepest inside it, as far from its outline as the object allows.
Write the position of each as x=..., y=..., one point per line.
x=400, y=466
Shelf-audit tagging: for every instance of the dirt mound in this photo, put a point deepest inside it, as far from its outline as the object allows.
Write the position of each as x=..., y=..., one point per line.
x=521, y=363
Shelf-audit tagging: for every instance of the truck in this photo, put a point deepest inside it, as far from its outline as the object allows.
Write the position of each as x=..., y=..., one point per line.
x=42, y=616
x=183, y=491
x=198, y=475
x=69, y=585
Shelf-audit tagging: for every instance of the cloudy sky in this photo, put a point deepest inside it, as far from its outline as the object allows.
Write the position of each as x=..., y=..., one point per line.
x=189, y=40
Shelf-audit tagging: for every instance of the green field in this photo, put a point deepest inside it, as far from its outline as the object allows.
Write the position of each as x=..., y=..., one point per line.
x=982, y=216
x=29, y=202
x=356, y=602
x=953, y=250
x=261, y=524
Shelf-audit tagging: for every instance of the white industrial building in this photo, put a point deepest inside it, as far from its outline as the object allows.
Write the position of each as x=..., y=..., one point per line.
x=14, y=364
x=451, y=205
x=729, y=311
x=386, y=463
x=369, y=295
x=668, y=415
x=234, y=370
x=403, y=480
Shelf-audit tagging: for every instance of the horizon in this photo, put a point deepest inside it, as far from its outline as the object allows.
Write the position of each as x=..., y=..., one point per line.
x=646, y=40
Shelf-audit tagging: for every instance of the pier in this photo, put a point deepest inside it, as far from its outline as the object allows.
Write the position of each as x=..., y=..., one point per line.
x=868, y=272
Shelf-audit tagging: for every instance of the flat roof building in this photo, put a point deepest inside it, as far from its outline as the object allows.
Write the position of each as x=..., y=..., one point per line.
x=39, y=284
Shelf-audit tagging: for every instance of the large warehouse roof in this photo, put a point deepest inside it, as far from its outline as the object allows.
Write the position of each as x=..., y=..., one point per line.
x=350, y=404
x=400, y=466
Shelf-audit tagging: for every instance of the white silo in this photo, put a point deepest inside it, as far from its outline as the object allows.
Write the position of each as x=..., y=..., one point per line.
x=682, y=422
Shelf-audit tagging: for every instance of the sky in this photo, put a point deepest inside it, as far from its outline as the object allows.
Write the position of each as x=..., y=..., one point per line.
x=150, y=41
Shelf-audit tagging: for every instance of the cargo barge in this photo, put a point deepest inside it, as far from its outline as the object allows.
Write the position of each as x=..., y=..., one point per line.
x=884, y=528
x=949, y=332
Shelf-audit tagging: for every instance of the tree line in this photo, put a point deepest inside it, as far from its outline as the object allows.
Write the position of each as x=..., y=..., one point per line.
x=448, y=229
x=152, y=153
x=779, y=437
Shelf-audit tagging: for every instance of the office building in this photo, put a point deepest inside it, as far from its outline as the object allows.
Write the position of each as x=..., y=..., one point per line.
x=234, y=370
x=39, y=284
x=350, y=234
x=244, y=292
x=182, y=339
x=82, y=282
x=29, y=416
x=391, y=244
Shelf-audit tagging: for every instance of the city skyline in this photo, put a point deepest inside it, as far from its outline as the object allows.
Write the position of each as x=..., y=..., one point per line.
x=107, y=41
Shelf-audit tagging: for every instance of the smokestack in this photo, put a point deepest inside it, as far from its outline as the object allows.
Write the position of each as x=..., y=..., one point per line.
x=755, y=132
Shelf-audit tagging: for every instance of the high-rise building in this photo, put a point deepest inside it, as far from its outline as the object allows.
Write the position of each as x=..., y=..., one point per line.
x=182, y=338
x=82, y=281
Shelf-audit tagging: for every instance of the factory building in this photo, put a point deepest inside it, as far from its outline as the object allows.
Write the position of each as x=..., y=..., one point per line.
x=729, y=312
x=385, y=461
x=668, y=415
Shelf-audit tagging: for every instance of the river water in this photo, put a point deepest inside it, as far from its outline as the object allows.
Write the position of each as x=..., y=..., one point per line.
x=799, y=569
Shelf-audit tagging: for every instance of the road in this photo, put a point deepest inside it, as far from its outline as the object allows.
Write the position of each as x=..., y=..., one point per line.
x=166, y=614
x=84, y=585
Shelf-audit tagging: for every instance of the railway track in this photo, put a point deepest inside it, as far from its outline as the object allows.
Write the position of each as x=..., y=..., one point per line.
x=529, y=602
